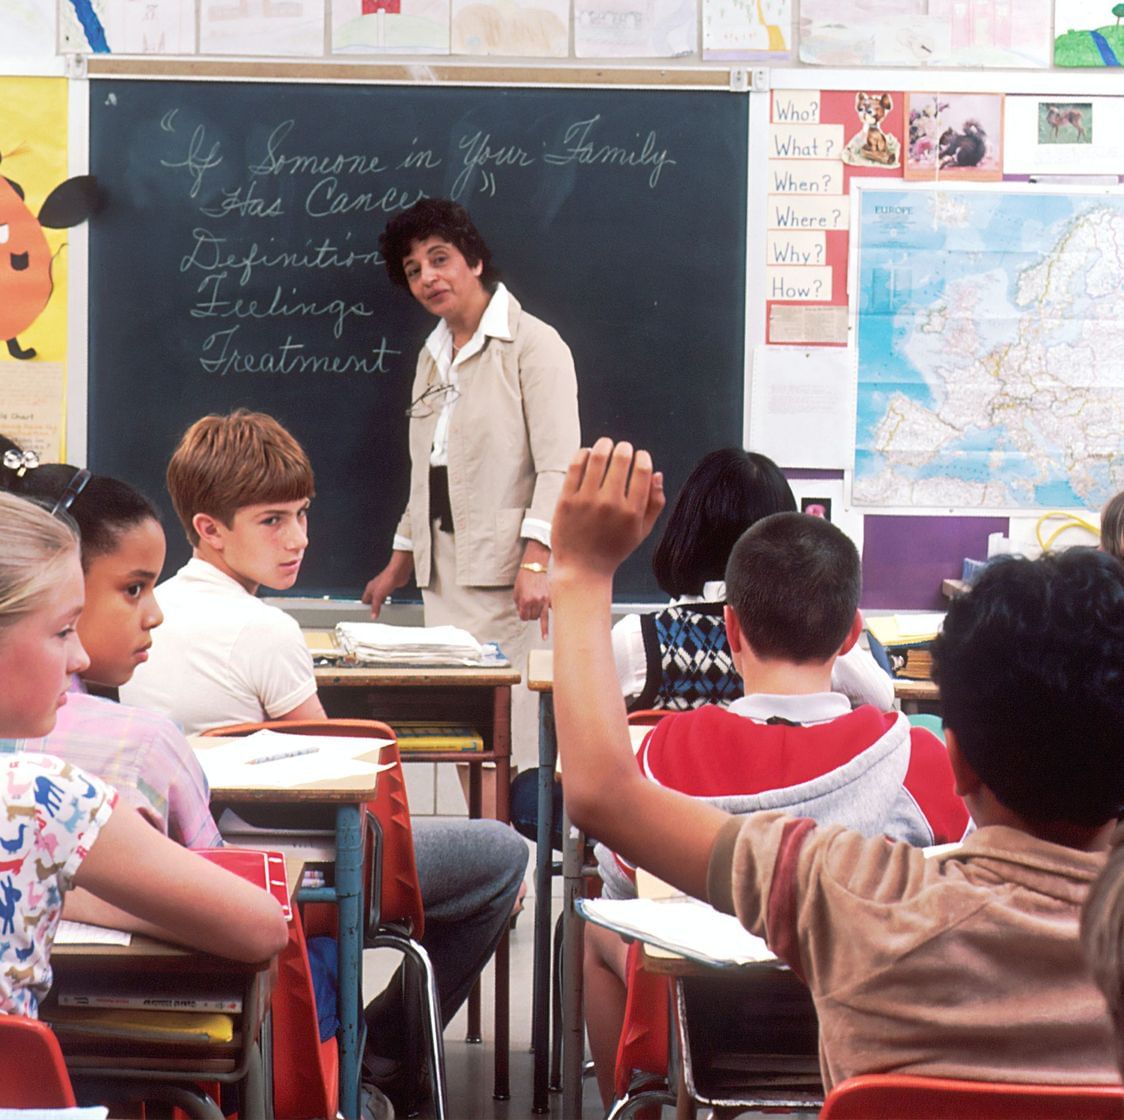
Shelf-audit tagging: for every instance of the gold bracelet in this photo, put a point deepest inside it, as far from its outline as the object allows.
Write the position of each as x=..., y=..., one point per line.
x=536, y=567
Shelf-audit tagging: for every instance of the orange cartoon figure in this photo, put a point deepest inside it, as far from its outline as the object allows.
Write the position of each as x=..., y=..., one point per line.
x=25, y=257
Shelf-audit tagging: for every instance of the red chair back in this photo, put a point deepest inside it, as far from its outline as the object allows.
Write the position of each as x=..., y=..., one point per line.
x=32, y=1071
x=302, y=1089
x=644, y=1042
x=645, y=1034
x=905, y=1097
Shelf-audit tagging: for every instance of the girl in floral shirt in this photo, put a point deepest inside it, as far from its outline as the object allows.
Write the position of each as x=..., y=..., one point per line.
x=61, y=828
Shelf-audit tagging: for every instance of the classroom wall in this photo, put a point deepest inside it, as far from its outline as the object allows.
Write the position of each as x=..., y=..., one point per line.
x=1037, y=85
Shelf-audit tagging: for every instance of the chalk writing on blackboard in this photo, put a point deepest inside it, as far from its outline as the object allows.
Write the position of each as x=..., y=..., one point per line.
x=239, y=275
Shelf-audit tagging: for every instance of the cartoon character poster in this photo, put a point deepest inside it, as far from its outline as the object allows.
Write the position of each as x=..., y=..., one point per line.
x=38, y=204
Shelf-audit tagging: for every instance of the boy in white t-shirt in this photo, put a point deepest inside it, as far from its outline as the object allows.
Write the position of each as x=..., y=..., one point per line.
x=242, y=485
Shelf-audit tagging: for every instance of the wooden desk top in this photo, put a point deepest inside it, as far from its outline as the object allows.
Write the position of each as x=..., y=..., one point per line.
x=915, y=690
x=371, y=676
x=162, y=956
x=348, y=790
x=323, y=642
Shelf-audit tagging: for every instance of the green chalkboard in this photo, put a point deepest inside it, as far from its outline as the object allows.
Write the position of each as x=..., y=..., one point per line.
x=235, y=265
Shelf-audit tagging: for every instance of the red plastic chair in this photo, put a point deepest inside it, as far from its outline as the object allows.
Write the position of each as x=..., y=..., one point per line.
x=398, y=920
x=32, y=1071
x=889, y=1096
x=640, y=1074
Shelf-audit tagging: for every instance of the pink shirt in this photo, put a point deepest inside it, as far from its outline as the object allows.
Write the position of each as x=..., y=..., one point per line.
x=140, y=753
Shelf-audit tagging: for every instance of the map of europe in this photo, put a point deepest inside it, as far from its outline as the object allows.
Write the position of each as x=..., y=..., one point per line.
x=990, y=335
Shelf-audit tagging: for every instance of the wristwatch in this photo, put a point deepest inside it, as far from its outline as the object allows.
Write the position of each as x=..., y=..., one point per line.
x=536, y=567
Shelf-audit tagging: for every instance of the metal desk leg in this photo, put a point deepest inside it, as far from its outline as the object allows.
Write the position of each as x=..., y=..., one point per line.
x=544, y=858
x=349, y=900
x=475, y=811
x=502, y=1010
x=253, y=1089
x=573, y=944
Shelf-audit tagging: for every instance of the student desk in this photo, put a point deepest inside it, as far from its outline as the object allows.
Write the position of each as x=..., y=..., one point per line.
x=477, y=696
x=347, y=797
x=916, y=696
x=159, y=1066
x=772, y=1063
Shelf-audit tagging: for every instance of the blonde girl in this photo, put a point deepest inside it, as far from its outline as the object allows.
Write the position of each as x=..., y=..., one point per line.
x=61, y=828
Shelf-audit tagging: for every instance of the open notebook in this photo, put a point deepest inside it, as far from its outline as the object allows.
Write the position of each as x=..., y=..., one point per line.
x=670, y=920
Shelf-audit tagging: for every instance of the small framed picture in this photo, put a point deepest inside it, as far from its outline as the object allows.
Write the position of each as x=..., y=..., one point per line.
x=1065, y=122
x=954, y=136
x=816, y=507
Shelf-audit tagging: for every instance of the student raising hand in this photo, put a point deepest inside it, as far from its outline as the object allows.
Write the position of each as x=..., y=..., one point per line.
x=610, y=500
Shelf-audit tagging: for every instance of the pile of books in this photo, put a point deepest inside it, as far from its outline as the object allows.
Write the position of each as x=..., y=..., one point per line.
x=905, y=641
x=376, y=643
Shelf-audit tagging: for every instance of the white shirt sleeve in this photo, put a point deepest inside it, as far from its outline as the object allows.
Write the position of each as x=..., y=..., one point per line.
x=862, y=680
x=628, y=653
x=274, y=658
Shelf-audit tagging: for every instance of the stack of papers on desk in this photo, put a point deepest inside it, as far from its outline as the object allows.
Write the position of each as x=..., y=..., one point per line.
x=682, y=925
x=275, y=760
x=381, y=644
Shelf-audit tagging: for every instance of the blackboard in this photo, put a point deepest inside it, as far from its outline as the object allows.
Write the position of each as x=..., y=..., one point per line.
x=235, y=265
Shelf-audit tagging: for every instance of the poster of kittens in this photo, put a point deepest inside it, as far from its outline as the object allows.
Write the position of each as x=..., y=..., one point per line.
x=954, y=136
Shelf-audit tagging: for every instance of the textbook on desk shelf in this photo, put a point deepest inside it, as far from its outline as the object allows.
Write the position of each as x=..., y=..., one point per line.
x=416, y=735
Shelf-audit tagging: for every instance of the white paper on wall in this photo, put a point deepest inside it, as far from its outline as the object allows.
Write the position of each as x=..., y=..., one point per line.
x=28, y=27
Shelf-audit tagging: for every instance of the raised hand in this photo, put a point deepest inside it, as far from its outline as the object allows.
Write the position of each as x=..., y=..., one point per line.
x=610, y=500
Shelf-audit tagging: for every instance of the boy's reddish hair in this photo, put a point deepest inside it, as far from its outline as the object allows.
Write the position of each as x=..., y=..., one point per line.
x=224, y=463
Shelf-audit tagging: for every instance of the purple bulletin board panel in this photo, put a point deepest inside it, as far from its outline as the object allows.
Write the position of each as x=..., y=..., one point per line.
x=906, y=558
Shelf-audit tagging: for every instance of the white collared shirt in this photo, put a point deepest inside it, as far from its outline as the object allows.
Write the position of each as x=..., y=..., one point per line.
x=493, y=324
x=804, y=708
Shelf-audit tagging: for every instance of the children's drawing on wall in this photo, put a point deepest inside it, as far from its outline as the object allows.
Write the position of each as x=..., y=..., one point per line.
x=635, y=28
x=873, y=145
x=129, y=26
x=955, y=136
x=289, y=27
x=733, y=29
x=1065, y=122
x=390, y=26
x=925, y=32
x=531, y=28
x=28, y=27
x=1088, y=33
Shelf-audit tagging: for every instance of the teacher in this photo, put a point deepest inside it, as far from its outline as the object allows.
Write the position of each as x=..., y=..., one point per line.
x=493, y=426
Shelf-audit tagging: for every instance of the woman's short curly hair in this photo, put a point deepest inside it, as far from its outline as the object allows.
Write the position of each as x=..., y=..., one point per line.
x=435, y=217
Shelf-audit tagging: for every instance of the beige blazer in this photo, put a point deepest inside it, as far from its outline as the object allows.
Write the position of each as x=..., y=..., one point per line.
x=511, y=438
